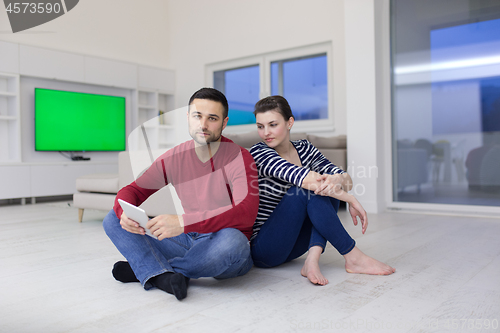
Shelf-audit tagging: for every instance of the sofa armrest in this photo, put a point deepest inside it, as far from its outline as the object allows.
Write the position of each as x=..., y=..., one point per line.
x=125, y=174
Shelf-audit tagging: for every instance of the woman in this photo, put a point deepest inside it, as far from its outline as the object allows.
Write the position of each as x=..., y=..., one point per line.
x=299, y=198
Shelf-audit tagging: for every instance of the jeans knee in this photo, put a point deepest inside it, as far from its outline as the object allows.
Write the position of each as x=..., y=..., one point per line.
x=323, y=198
x=232, y=250
x=299, y=194
x=264, y=260
x=233, y=243
x=110, y=222
x=325, y=201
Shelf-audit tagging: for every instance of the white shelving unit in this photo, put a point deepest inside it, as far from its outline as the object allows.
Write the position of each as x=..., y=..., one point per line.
x=23, y=172
x=154, y=118
x=10, y=123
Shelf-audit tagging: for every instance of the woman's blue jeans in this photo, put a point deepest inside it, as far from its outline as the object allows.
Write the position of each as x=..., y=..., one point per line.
x=301, y=220
x=222, y=254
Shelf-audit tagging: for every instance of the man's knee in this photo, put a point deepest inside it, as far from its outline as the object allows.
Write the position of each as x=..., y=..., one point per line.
x=110, y=222
x=234, y=249
x=232, y=243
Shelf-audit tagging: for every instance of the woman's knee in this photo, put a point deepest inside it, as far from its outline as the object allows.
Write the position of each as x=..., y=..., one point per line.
x=264, y=263
x=326, y=200
x=298, y=194
x=263, y=259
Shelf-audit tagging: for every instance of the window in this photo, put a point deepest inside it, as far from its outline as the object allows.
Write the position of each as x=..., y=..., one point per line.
x=303, y=82
x=241, y=87
x=300, y=75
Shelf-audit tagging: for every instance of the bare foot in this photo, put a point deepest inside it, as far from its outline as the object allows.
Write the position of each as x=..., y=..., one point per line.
x=311, y=266
x=358, y=262
x=311, y=271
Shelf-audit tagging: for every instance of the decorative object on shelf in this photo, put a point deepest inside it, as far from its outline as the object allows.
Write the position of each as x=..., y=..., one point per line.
x=160, y=117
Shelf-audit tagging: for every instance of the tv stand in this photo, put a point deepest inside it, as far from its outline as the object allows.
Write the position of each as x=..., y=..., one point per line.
x=42, y=179
x=80, y=158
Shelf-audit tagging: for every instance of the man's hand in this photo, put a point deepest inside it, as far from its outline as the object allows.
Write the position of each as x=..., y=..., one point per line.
x=355, y=209
x=330, y=184
x=131, y=226
x=166, y=226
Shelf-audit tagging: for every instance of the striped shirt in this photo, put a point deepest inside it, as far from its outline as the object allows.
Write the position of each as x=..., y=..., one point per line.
x=277, y=175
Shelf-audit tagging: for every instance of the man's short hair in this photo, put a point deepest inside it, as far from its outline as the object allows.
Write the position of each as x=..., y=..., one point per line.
x=213, y=95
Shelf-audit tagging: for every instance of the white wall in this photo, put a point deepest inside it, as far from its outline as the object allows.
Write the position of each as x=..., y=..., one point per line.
x=127, y=30
x=204, y=32
x=362, y=101
x=368, y=101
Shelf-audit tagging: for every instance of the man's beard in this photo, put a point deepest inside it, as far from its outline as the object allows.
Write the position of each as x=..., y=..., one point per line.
x=212, y=137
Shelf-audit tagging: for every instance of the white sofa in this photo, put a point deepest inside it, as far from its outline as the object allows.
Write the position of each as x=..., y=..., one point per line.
x=334, y=148
x=95, y=191
x=98, y=191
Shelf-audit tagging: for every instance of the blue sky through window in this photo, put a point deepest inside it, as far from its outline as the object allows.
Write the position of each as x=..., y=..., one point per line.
x=305, y=86
x=242, y=92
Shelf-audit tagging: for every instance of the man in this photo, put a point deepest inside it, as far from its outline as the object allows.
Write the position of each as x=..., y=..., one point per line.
x=212, y=177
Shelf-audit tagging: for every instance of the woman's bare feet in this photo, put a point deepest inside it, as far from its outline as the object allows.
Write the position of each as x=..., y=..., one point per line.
x=358, y=262
x=311, y=269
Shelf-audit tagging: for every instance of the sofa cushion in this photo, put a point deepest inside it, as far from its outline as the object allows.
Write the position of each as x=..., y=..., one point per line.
x=297, y=136
x=246, y=140
x=336, y=156
x=332, y=142
x=98, y=182
x=94, y=201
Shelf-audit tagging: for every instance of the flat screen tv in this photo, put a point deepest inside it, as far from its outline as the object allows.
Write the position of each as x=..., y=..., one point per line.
x=75, y=121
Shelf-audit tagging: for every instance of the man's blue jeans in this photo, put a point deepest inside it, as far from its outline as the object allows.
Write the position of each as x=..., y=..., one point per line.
x=222, y=254
x=301, y=220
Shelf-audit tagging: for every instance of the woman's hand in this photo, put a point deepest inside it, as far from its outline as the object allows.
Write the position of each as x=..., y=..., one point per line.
x=314, y=182
x=330, y=185
x=356, y=210
x=131, y=225
x=166, y=226
x=336, y=186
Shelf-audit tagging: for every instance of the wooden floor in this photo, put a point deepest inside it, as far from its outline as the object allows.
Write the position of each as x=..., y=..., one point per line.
x=55, y=276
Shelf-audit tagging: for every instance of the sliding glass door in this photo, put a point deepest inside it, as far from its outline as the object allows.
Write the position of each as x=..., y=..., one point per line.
x=446, y=101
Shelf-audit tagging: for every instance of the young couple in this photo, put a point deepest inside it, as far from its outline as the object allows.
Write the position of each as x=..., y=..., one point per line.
x=229, y=224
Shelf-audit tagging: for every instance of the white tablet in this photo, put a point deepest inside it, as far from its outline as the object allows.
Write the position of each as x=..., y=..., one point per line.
x=137, y=214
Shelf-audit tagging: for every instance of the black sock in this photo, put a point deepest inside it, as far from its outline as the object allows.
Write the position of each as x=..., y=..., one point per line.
x=123, y=272
x=179, y=285
x=172, y=283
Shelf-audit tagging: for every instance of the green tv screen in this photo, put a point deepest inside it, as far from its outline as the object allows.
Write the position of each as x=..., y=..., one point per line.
x=74, y=121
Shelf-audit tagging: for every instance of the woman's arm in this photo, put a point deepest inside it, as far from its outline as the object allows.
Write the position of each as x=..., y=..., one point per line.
x=334, y=182
x=337, y=187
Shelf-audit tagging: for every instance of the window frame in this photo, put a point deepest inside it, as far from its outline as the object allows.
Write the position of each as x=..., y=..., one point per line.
x=264, y=61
